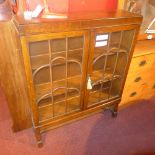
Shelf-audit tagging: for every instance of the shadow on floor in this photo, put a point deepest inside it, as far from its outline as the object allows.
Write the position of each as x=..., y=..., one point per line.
x=131, y=133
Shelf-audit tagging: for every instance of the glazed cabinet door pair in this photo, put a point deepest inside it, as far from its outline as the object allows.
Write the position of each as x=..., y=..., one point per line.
x=71, y=71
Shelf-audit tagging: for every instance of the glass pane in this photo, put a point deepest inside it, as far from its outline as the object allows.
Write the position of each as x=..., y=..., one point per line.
x=74, y=65
x=110, y=64
x=74, y=85
x=73, y=68
x=39, y=75
x=127, y=39
x=98, y=52
x=58, y=69
x=93, y=97
x=100, y=92
x=115, y=39
x=59, y=108
x=94, y=94
x=99, y=63
x=61, y=56
x=75, y=43
x=38, y=61
x=45, y=108
x=45, y=112
x=58, y=45
x=73, y=92
x=75, y=55
x=115, y=88
x=59, y=84
x=42, y=90
x=73, y=104
x=73, y=89
x=104, y=91
x=59, y=94
x=122, y=59
x=39, y=58
x=97, y=75
x=38, y=48
x=44, y=100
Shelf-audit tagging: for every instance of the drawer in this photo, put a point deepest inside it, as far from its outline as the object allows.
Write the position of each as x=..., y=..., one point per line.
x=139, y=85
x=140, y=76
x=142, y=62
x=137, y=91
x=131, y=94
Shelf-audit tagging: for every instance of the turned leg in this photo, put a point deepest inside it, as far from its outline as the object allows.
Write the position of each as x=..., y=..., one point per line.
x=38, y=136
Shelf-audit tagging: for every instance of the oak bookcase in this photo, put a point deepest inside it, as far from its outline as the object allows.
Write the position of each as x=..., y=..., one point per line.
x=76, y=66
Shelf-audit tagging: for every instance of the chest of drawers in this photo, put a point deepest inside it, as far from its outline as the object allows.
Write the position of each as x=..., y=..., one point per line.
x=140, y=83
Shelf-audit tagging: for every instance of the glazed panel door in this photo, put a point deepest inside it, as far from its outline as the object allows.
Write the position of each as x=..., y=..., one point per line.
x=108, y=63
x=57, y=72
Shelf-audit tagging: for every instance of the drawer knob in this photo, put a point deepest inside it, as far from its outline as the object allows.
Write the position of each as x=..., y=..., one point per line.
x=138, y=79
x=153, y=87
x=133, y=94
x=142, y=63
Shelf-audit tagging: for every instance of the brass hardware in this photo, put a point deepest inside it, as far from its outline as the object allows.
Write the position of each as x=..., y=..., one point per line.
x=138, y=79
x=133, y=94
x=142, y=63
x=153, y=87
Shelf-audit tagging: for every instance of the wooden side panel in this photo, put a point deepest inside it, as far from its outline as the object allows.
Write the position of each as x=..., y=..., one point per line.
x=12, y=77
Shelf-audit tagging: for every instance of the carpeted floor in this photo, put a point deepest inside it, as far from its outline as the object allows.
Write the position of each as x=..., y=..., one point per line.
x=131, y=133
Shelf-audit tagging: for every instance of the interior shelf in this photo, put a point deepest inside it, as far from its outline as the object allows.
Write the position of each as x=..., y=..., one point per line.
x=50, y=111
x=102, y=76
x=57, y=61
x=45, y=88
x=99, y=52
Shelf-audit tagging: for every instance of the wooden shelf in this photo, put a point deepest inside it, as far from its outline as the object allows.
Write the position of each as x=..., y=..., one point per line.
x=102, y=52
x=41, y=60
x=51, y=111
x=46, y=88
x=100, y=75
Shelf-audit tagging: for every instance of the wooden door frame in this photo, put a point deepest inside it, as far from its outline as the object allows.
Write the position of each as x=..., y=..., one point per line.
x=92, y=44
x=27, y=64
